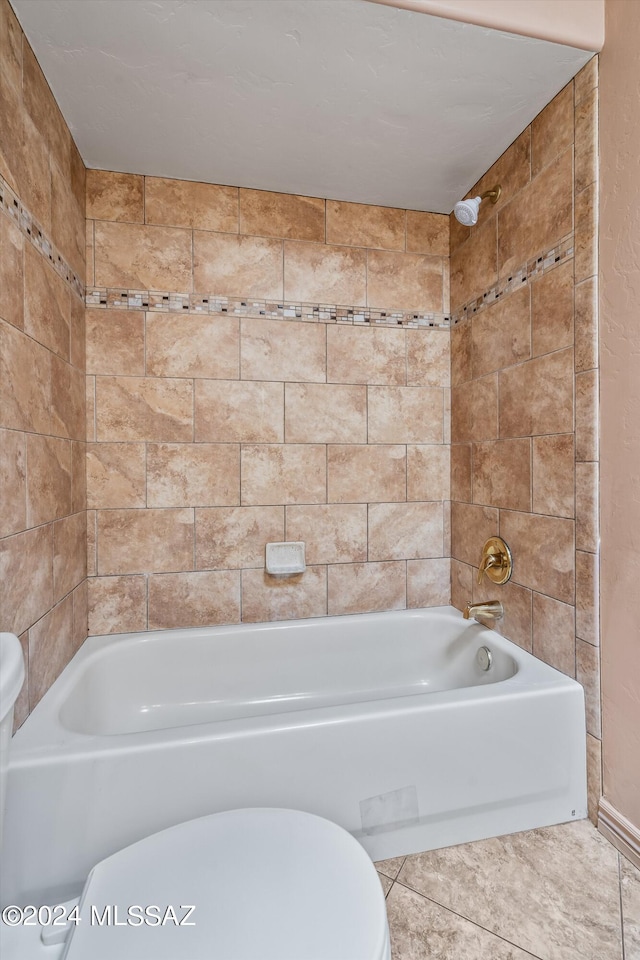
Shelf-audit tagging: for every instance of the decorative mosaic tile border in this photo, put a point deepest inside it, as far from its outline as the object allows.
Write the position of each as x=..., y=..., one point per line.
x=169, y=302
x=12, y=206
x=161, y=302
x=533, y=268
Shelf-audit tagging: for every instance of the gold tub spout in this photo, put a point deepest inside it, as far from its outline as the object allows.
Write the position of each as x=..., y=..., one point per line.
x=488, y=610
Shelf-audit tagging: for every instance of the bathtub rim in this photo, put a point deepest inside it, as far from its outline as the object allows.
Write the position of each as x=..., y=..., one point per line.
x=43, y=735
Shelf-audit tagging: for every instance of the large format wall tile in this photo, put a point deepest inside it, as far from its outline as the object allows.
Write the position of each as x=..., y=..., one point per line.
x=43, y=110
x=67, y=221
x=552, y=310
x=406, y=281
x=141, y=541
x=26, y=570
x=193, y=599
x=325, y=413
x=67, y=400
x=366, y=587
x=51, y=646
x=366, y=356
x=553, y=475
x=474, y=264
x=48, y=479
x=139, y=257
x=282, y=215
x=116, y=475
x=189, y=346
x=471, y=526
x=405, y=414
x=33, y=172
x=13, y=482
x=228, y=411
x=361, y=474
x=69, y=554
x=135, y=408
x=461, y=355
x=552, y=130
x=273, y=350
x=536, y=397
x=47, y=304
x=193, y=474
x=334, y=532
x=235, y=537
x=541, y=215
x=543, y=548
x=460, y=477
x=283, y=473
x=117, y=604
x=185, y=203
x=501, y=334
x=429, y=582
x=474, y=410
x=428, y=471
x=502, y=474
x=363, y=225
x=284, y=598
x=427, y=233
x=405, y=531
x=115, y=196
x=11, y=273
x=428, y=358
x=517, y=623
x=319, y=273
x=115, y=343
x=42, y=371
x=554, y=632
x=232, y=266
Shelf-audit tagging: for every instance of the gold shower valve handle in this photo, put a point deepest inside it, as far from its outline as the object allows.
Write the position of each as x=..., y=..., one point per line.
x=496, y=561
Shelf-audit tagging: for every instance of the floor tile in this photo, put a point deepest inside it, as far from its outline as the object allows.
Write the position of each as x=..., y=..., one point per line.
x=553, y=891
x=421, y=929
x=390, y=868
x=630, y=891
x=386, y=883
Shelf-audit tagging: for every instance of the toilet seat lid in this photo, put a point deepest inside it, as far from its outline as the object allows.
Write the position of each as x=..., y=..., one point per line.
x=266, y=884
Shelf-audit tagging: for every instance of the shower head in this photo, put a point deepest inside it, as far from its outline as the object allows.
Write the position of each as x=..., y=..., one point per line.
x=466, y=211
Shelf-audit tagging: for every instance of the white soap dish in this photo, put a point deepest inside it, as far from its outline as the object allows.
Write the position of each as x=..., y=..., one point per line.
x=286, y=559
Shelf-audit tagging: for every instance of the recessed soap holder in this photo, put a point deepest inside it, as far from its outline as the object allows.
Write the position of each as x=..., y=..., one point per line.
x=286, y=559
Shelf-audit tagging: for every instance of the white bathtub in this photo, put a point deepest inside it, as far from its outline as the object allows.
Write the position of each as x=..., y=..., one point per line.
x=384, y=723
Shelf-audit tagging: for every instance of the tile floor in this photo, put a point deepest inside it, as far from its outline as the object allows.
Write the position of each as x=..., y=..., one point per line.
x=558, y=893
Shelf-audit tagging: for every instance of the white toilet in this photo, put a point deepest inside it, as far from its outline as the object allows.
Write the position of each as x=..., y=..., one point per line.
x=265, y=884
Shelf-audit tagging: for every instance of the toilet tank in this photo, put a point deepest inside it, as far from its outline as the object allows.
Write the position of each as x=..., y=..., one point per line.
x=11, y=680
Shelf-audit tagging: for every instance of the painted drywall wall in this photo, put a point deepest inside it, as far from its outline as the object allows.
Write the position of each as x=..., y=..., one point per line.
x=579, y=23
x=620, y=405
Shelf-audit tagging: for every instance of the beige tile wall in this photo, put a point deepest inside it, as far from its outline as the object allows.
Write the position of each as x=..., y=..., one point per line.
x=42, y=380
x=213, y=435
x=524, y=459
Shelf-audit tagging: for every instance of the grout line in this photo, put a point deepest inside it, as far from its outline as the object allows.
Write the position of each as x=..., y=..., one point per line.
x=462, y=916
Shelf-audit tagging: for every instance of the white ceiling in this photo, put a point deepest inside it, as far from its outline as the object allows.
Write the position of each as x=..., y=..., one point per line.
x=332, y=98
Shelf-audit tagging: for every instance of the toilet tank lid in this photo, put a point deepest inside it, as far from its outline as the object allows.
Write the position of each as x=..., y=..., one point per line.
x=264, y=882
